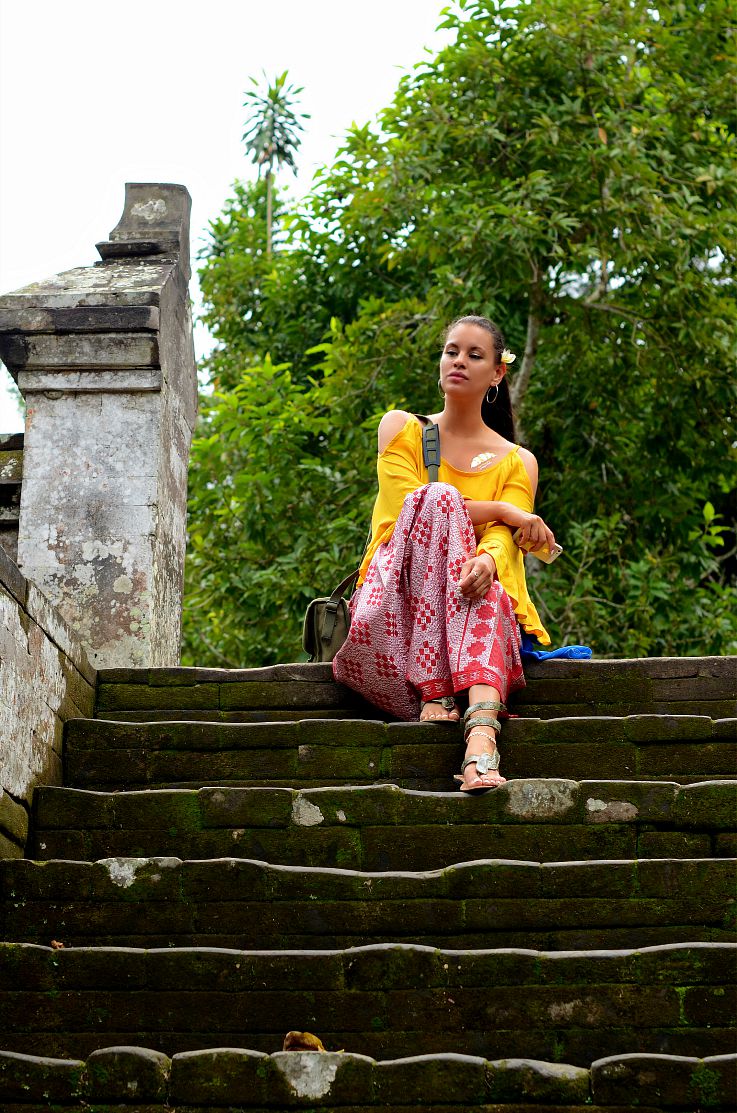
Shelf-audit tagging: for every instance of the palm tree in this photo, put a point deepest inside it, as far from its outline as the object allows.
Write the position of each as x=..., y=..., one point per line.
x=271, y=134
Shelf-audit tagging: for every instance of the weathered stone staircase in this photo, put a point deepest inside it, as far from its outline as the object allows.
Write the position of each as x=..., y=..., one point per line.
x=240, y=853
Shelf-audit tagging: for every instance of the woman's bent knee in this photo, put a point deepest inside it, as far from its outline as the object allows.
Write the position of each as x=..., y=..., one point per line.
x=439, y=496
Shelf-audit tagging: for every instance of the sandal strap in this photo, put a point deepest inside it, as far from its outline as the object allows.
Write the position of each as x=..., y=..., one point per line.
x=485, y=763
x=481, y=721
x=448, y=702
x=485, y=705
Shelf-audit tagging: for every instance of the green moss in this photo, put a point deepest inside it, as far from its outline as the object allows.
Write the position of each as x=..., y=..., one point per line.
x=558, y=1050
x=705, y=1087
x=681, y=993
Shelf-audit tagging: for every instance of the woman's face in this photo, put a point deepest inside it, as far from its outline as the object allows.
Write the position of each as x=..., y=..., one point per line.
x=468, y=362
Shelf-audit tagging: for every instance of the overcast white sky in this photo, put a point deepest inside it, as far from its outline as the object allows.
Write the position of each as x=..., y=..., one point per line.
x=94, y=94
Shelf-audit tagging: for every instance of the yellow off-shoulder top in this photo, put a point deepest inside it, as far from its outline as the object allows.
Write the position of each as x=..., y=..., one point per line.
x=401, y=470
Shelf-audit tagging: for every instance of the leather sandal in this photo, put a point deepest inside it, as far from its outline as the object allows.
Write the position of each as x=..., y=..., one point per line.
x=485, y=762
x=448, y=702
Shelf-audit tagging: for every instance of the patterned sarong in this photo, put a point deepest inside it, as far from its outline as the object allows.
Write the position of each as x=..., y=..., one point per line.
x=413, y=635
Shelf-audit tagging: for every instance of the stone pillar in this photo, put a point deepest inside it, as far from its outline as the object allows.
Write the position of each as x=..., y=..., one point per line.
x=104, y=358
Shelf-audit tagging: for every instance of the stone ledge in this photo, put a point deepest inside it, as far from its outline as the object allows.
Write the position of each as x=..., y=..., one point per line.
x=312, y=752
x=379, y=827
x=708, y=805
x=133, y=902
x=216, y=1078
x=657, y=668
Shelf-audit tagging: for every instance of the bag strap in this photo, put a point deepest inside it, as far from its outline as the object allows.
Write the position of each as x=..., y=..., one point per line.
x=332, y=604
x=431, y=450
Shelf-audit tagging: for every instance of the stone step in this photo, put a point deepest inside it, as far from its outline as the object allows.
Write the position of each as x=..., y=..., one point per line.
x=314, y=752
x=159, y=902
x=383, y=827
x=216, y=1080
x=384, y=1000
x=555, y=689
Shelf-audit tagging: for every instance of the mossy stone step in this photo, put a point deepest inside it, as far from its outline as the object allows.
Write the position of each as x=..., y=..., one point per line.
x=697, y=685
x=379, y=1000
x=383, y=827
x=138, y=902
x=221, y=1078
x=314, y=752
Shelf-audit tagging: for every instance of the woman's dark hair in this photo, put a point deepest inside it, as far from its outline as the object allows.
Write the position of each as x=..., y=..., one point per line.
x=497, y=415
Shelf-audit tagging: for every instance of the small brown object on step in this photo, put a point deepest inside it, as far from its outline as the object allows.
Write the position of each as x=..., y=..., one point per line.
x=57, y=946
x=302, y=1041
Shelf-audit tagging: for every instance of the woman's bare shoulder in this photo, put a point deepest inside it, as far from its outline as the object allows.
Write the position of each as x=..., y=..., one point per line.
x=392, y=423
x=530, y=463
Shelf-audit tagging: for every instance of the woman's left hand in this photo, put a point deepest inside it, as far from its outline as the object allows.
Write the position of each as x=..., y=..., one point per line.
x=477, y=576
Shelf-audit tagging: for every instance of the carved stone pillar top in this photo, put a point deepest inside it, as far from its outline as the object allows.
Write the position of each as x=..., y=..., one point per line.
x=103, y=355
x=155, y=221
x=147, y=250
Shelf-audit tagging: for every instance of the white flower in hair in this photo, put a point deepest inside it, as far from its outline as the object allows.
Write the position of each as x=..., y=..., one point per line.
x=507, y=356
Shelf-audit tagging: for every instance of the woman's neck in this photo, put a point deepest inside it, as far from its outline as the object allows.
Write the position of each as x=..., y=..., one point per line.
x=460, y=420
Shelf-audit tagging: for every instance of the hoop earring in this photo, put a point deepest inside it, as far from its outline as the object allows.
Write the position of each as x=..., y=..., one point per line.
x=491, y=401
x=440, y=387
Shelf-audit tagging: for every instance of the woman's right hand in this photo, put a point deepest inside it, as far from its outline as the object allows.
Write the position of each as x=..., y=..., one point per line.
x=535, y=535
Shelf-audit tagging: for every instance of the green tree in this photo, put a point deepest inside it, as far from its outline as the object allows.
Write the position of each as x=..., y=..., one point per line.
x=566, y=167
x=272, y=134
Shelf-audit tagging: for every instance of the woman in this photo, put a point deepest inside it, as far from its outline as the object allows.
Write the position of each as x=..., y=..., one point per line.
x=442, y=586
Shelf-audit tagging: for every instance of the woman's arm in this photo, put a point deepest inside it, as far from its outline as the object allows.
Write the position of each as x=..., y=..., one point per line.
x=397, y=466
x=516, y=508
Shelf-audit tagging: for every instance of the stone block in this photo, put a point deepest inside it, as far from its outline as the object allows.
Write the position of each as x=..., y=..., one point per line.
x=330, y=1079
x=706, y=879
x=628, y=801
x=131, y=697
x=242, y=808
x=595, y=879
x=688, y=964
x=218, y=1076
x=673, y=844
x=127, y=1074
x=705, y=1005
x=255, y=694
x=429, y=1080
x=58, y=630
x=704, y=688
x=72, y=808
x=711, y=805
x=30, y=1078
x=574, y=761
x=36, y=882
x=523, y=1080
x=9, y=848
x=667, y=728
x=12, y=579
x=134, y=879
x=13, y=819
x=663, y=1081
x=84, y=350
x=725, y=845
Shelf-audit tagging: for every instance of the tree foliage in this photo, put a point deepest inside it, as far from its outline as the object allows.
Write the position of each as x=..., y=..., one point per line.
x=566, y=167
x=272, y=134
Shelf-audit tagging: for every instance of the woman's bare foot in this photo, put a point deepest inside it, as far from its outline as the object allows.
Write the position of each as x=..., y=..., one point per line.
x=481, y=740
x=434, y=711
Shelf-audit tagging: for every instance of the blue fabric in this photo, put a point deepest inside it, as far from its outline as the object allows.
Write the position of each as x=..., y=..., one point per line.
x=529, y=652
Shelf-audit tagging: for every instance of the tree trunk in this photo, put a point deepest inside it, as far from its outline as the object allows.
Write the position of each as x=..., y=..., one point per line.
x=268, y=214
x=519, y=386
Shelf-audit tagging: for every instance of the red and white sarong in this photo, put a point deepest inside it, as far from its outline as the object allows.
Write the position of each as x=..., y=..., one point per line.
x=413, y=635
